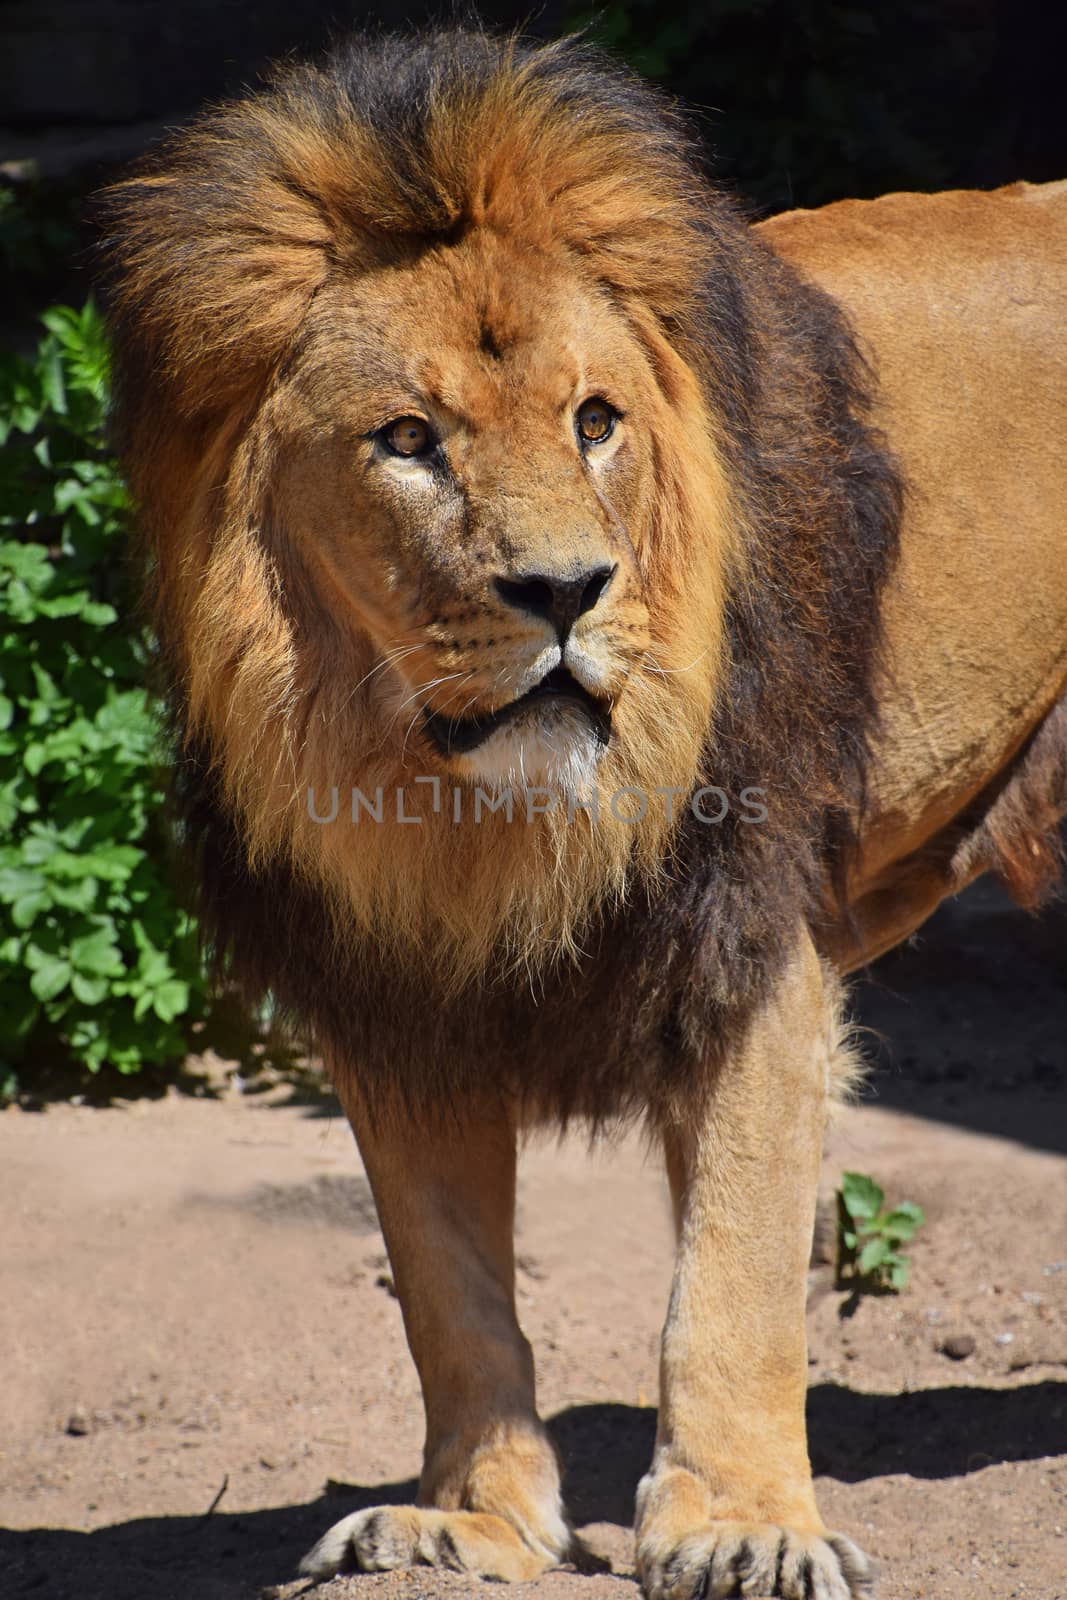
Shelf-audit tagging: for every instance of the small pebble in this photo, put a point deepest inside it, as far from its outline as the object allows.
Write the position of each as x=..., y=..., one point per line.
x=958, y=1346
x=78, y=1423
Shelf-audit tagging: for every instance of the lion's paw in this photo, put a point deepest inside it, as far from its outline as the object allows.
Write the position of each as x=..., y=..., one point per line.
x=387, y=1537
x=755, y=1558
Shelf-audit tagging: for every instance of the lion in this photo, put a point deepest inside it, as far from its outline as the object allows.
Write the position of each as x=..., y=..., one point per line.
x=593, y=626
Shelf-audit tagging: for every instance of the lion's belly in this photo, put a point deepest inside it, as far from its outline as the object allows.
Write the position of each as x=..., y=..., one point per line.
x=961, y=299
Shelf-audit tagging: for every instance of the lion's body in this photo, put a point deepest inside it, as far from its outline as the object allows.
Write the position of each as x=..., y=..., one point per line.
x=961, y=299
x=716, y=588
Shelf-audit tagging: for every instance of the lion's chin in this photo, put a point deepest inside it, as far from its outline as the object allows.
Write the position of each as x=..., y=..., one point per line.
x=554, y=747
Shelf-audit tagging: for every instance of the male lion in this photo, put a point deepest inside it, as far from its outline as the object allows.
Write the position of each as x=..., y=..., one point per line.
x=490, y=467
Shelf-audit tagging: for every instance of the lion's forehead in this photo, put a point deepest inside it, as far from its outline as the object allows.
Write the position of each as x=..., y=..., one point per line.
x=484, y=328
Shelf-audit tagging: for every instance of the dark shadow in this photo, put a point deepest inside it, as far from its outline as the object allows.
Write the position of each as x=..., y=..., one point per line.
x=606, y=1449
x=969, y=1020
x=218, y=1557
x=332, y=1199
x=933, y=1433
x=936, y=1433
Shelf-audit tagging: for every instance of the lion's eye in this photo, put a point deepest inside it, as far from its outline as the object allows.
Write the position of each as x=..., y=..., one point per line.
x=408, y=436
x=596, y=421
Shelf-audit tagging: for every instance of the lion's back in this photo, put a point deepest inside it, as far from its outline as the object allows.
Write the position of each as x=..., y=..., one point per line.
x=960, y=300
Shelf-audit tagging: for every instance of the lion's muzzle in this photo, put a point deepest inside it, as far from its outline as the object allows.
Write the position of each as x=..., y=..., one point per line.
x=560, y=598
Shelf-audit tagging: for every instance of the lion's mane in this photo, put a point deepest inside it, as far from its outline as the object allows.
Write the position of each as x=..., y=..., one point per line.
x=216, y=250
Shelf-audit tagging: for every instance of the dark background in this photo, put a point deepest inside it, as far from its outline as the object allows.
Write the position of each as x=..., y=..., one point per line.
x=801, y=101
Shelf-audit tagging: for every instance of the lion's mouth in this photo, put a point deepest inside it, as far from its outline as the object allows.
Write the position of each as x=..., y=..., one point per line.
x=457, y=736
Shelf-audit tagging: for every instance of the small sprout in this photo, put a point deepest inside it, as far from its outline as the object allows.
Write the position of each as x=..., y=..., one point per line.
x=869, y=1236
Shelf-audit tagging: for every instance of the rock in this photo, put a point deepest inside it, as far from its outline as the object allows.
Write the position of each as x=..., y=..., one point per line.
x=958, y=1346
x=79, y=1423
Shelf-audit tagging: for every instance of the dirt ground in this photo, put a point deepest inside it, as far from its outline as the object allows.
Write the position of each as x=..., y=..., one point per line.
x=203, y=1365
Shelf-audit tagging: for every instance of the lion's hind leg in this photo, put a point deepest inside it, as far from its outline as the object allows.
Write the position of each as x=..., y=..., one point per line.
x=489, y=1495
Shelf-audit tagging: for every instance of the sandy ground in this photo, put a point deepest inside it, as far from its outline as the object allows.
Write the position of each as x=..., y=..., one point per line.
x=203, y=1365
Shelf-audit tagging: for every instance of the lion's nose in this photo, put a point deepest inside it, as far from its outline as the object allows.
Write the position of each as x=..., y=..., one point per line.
x=561, y=598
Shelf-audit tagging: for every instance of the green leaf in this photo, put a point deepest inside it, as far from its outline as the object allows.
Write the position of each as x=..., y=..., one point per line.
x=874, y=1254
x=18, y=881
x=52, y=383
x=27, y=562
x=77, y=896
x=126, y=712
x=113, y=863
x=46, y=686
x=61, y=322
x=97, y=954
x=863, y=1198
x=50, y=977
x=90, y=991
x=903, y=1220
x=34, y=757
x=28, y=906
x=899, y=1272
x=154, y=967
x=171, y=999
x=61, y=605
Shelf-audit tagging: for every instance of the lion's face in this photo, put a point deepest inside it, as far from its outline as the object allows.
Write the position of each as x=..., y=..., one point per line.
x=472, y=485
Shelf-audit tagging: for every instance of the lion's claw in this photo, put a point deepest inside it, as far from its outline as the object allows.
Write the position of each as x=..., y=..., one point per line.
x=726, y=1559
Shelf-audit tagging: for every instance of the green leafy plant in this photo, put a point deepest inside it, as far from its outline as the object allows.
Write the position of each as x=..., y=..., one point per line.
x=98, y=962
x=869, y=1236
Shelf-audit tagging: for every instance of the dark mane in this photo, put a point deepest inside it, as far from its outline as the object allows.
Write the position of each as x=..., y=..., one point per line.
x=818, y=496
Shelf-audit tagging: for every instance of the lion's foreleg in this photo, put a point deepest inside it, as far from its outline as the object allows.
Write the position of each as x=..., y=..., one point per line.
x=728, y=1506
x=489, y=1499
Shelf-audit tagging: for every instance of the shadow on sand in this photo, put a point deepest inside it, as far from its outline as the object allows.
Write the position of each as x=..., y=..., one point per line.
x=934, y=1433
x=970, y=1020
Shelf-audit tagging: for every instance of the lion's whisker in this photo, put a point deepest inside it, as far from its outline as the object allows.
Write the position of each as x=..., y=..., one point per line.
x=434, y=683
x=648, y=665
x=419, y=689
x=389, y=660
x=404, y=746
